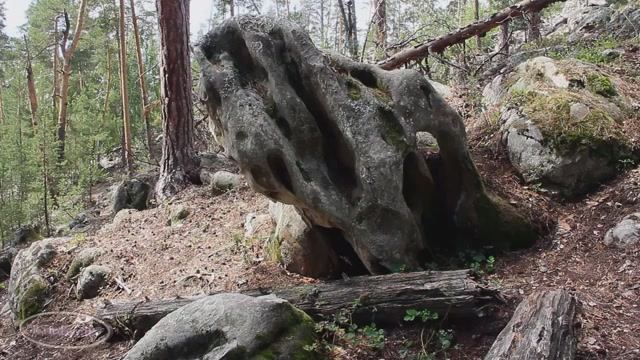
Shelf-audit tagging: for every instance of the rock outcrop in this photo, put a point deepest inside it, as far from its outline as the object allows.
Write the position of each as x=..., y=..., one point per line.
x=336, y=139
x=91, y=279
x=593, y=19
x=229, y=326
x=131, y=194
x=626, y=233
x=561, y=122
x=28, y=285
x=83, y=259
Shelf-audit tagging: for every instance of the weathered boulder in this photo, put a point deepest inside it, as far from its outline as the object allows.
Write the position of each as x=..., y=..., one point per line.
x=28, y=284
x=254, y=223
x=25, y=234
x=91, y=279
x=336, y=139
x=131, y=194
x=300, y=247
x=561, y=123
x=229, y=326
x=625, y=233
x=6, y=259
x=83, y=259
x=178, y=214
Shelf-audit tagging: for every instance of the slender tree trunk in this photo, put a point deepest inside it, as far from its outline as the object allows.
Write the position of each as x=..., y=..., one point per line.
x=504, y=37
x=322, y=39
x=105, y=104
x=346, y=27
x=380, y=21
x=31, y=86
x=143, y=83
x=178, y=165
x=66, y=74
x=126, y=121
x=1, y=102
x=353, y=27
x=232, y=10
x=56, y=67
x=533, y=26
x=476, y=17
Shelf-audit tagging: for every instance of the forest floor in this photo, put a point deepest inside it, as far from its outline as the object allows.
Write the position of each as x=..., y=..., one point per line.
x=208, y=252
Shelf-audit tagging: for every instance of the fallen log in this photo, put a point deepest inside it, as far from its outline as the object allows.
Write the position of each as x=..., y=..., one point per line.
x=436, y=46
x=383, y=299
x=543, y=327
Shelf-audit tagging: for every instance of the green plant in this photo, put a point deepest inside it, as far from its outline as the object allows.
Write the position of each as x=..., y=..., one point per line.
x=424, y=315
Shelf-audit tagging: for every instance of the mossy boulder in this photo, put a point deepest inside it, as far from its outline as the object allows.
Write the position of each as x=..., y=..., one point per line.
x=562, y=123
x=91, y=279
x=83, y=259
x=28, y=285
x=131, y=194
x=230, y=326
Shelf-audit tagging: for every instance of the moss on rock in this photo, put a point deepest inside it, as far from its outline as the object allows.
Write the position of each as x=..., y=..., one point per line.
x=32, y=297
x=601, y=85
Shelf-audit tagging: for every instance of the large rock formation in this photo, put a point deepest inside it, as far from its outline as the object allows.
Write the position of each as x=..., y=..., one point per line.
x=561, y=123
x=595, y=19
x=336, y=139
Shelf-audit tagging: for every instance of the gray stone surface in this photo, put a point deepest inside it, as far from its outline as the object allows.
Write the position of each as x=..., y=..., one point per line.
x=28, y=285
x=6, y=260
x=336, y=139
x=626, y=233
x=229, y=326
x=91, y=279
x=224, y=180
x=302, y=248
x=131, y=194
x=539, y=159
x=591, y=19
x=83, y=259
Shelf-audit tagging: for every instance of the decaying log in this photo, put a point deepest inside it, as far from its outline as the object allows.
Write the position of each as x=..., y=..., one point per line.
x=543, y=327
x=480, y=27
x=383, y=299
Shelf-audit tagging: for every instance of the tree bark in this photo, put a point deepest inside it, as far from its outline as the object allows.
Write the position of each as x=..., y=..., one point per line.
x=31, y=86
x=543, y=327
x=476, y=17
x=353, y=27
x=383, y=299
x=380, y=21
x=1, y=102
x=440, y=44
x=67, y=56
x=533, y=27
x=178, y=165
x=504, y=37
x=124, y=91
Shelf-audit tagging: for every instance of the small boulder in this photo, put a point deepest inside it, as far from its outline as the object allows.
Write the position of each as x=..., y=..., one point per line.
x=612, y=54
x=28, y=285
x=6, y=259
x=229, y=326
x=299, y=247
x=625, y=233
x=253, y=223
x=131, y=194
x=26, y=234
x=123, y=216
x=83, y=259
x=178, y=214
x=561, y=123
x=224, y=180
x=91, y=279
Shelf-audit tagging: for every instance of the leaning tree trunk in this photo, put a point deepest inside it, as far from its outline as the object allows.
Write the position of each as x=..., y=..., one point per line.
x=178, y=165
x=383, y=299
x=67, y=56
x=124, y=92
x=440, y=44
x=543, y=327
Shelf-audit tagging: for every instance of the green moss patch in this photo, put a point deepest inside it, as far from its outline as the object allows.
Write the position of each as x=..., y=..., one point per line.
x=601, y=85
x=551, y=113
x=32, y=297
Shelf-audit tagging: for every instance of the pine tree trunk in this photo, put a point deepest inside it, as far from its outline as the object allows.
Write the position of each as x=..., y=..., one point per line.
x=31, y=86
x=66, y=75
x=143, y=83
x=504, y=37
x=1, y=102
x=124, y=91
x=476, y=17
x=380, y=21
x=533, y=27
x=178, y=166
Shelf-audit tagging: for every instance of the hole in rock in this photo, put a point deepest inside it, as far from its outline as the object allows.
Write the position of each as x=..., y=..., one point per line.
x=279, y=170
x=366, y=77
x=392, y=131
x=348, y=261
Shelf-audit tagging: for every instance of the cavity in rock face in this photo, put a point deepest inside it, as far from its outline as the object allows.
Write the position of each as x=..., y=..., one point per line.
x=336, y=139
